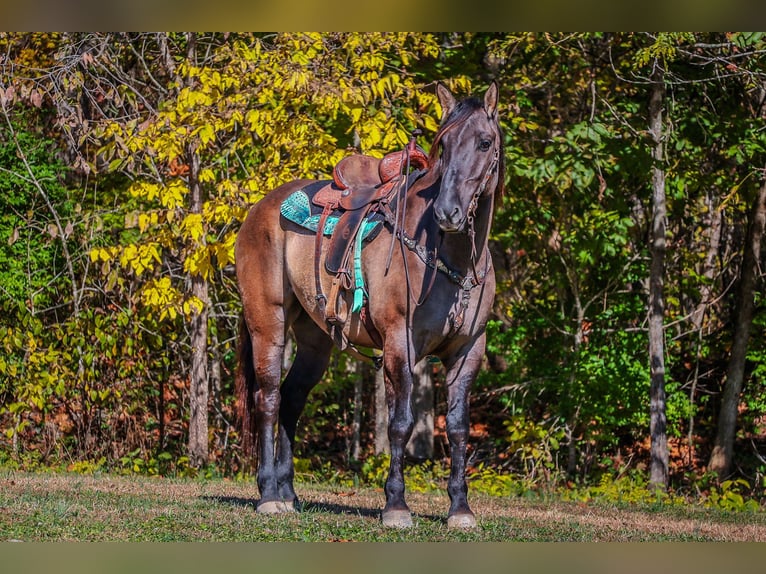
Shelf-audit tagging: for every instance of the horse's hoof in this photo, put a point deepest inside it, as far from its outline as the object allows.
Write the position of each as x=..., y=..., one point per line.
x=461, y=521
x=275, y=507
x=397, y=519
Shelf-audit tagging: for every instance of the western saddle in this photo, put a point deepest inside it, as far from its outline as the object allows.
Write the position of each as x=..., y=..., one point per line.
x=362, y=186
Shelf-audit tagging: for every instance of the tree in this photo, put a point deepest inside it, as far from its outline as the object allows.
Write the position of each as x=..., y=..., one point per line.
x=658, y=471
x=723, y=451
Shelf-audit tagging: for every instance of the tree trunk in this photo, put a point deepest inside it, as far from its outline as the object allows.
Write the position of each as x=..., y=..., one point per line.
x=658, y=472
x=198, y=380
x=356, y=418
x=421, y=443
x=381, y=414
x=723, y=449
x=198, y=377
x=714, y=226
x=220, y=427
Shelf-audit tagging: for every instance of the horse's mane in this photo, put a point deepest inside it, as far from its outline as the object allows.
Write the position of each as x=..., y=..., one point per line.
x=457, y=115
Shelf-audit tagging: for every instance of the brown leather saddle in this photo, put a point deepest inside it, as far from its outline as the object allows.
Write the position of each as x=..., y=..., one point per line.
x=362, y=186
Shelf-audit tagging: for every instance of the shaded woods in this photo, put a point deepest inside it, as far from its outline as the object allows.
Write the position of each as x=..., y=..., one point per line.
x=628, y=328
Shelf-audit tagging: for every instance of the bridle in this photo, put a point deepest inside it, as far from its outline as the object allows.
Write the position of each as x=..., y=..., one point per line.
x=471, y=215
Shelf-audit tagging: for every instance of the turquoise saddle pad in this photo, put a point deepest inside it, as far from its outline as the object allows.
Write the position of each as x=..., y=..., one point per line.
x=299, y=209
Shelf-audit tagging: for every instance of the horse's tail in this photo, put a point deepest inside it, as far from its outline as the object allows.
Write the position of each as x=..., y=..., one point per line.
x=245, y=387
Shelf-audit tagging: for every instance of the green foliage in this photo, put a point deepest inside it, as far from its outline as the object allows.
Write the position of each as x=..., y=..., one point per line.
x=630, y=489
x=427, y=476
x=730, y=496
x=30, y=247
x=490, y=481
x=162, y=464
x=664, y=47
x=534, y=444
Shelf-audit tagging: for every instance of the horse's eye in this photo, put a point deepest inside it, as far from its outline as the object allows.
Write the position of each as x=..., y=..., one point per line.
x=484, y=145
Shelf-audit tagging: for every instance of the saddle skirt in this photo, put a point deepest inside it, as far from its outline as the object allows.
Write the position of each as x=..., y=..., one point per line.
x=299, y=208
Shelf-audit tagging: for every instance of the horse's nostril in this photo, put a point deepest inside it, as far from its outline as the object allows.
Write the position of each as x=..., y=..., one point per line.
x=449, y=218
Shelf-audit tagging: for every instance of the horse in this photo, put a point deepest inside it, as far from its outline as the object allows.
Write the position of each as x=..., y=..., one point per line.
x=430, y=286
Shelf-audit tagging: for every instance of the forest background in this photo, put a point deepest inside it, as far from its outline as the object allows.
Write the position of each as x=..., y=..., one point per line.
x=627, y=338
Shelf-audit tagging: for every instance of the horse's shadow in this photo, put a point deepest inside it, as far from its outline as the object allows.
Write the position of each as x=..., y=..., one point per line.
x=310, y=506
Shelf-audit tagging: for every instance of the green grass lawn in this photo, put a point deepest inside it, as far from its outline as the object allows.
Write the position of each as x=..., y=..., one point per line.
x=68, y=507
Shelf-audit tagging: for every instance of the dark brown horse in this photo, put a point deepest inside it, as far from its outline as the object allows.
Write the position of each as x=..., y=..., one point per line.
x=430, y=297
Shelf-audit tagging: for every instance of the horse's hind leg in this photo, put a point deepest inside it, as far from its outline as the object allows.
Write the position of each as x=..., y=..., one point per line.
x=312, y=356
x=267, y=350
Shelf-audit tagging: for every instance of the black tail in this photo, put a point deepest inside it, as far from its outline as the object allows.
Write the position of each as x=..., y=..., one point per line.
x=245, y=387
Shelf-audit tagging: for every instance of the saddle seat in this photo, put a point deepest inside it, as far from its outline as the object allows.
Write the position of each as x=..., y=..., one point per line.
x=359, y=180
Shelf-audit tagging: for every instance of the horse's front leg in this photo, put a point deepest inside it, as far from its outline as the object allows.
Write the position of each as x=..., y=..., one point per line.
x=461, y=373
x=397, y=364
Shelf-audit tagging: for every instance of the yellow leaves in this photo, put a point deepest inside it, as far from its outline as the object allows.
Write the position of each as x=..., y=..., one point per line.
x=381, y=134
x=198, y=262
x=430, y=124
x=144, y=189
x=402, y=137
x=188, y=100
x=172, y=195
x=145, y=220
x=206, y=134
x=224, y=251
x=191, y=227
x=140, y=257
x=255, y=123
x=206, y=176
x=459, y=84
x=367, y=63
x=523, y=124
x=300, y=57
x=103, y=254
x=192, y=305
x=356, y=113
x=387, y=85
x=428, y=103
x=220, y=212
x=374, y=136
x=227, y=188
x=262, y=112
x=160, y=295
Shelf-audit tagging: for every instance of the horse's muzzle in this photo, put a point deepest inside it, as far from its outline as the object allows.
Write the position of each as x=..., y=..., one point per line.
x=451, y=222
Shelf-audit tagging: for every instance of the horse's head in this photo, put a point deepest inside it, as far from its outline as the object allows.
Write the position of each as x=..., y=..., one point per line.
x=470, y=164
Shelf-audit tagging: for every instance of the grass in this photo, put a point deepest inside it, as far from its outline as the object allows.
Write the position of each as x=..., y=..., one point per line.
x=67, y=507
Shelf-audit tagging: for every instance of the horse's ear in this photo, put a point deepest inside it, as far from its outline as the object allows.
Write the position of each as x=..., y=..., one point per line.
x=490, y=100
x=446, y=99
